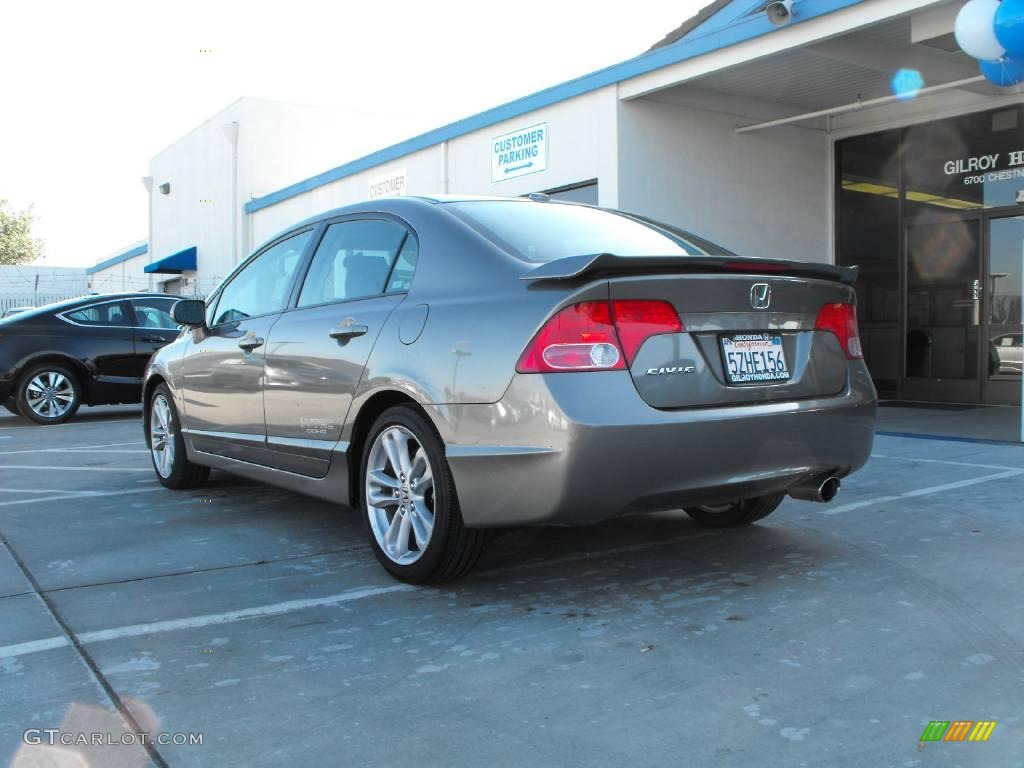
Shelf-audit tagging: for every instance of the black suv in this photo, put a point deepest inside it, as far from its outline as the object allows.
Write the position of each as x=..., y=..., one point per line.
x=87, y=351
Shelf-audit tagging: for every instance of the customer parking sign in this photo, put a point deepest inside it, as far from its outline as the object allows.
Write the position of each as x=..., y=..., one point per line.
x=519, y=153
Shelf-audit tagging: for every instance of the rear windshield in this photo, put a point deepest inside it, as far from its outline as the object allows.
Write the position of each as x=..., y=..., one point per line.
x=542, y=232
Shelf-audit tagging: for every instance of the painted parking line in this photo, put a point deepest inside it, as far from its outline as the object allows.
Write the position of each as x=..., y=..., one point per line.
x=888, y=457
x=78, y=495
x=76, y=469
x=290, y=606
x=101, y=448
x=73, y=451
x=34, y=646
x=48, y=490
x=837, y=510
x=198, y=622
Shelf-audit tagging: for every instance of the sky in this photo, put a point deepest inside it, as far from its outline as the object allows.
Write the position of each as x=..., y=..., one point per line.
x=92, y=91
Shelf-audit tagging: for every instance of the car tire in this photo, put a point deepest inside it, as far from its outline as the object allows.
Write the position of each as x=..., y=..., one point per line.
x=411, y=513
x=742, y=512
x=12, y=408
x=48, y=394
x=167, y=444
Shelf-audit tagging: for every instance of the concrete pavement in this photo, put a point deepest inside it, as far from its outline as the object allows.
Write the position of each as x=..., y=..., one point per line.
x=826, y=635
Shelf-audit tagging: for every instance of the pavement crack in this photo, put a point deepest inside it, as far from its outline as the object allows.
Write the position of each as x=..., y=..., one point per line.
x=212, y=569
x=16, y=594
x=87, y=659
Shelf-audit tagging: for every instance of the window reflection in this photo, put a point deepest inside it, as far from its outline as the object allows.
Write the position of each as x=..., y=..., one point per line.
x=1006, y=272
x=918, y=199
x=942, y=300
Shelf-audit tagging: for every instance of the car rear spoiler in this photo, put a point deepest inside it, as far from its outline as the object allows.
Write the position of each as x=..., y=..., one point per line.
x=598, y=264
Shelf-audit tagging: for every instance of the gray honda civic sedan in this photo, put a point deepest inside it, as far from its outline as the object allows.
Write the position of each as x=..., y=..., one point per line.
x=451, y=365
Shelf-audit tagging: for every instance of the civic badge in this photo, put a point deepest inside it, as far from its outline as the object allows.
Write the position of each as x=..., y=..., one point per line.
x=760, y=295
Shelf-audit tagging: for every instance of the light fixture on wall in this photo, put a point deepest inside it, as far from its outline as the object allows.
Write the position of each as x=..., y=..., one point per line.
x=165, y=188
x=780, y=12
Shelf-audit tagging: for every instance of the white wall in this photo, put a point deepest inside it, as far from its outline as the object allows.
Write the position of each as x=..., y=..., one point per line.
x=278, y=144
x=18, y=286
x=125, y=276
x=765, y=194
x=581, y=146
x=198, y=168
x=760, y=194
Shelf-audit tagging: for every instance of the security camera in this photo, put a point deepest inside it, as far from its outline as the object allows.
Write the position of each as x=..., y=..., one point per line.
x=780, y=12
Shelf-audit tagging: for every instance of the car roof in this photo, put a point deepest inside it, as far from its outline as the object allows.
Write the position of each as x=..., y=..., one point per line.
x=91, y=298
x=400, y=205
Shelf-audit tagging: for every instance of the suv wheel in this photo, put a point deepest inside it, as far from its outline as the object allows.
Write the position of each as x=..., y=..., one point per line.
x=409, y=503
x=742, y=512
x=48, y=394
x=167, y=446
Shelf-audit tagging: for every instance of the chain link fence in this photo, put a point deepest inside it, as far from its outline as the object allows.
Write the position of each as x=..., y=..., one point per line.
x=10, y=301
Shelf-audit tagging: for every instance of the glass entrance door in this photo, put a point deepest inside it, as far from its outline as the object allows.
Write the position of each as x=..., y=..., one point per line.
x=1005, y=286
x=943, y=311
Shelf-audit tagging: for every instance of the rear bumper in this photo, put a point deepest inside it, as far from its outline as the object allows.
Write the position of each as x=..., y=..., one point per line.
x=573, y=449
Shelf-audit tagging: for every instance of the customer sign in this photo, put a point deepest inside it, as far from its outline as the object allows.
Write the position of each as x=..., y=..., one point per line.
x=388, y=185
x=519, y=153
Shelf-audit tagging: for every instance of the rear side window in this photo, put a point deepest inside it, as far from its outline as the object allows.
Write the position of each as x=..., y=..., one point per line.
x=353, y=261
x=542, y=232
x=401, y=276
x=111, y=313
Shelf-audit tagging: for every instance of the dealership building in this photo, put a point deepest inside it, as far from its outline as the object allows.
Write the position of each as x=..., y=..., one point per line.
x=856, y=132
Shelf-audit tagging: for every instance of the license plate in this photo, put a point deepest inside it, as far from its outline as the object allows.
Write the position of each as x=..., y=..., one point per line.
x=754, y=357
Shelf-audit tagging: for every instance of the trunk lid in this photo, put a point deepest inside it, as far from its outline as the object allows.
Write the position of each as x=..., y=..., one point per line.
x=731, y=352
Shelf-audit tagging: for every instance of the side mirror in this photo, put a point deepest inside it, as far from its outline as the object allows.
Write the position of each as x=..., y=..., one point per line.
x=190, y=313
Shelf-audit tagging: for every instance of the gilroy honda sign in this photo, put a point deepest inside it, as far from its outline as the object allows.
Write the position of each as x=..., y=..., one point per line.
x=981, y=164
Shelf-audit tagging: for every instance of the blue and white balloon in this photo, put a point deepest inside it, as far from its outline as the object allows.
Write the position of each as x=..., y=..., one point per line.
x=1009, y=27
x=975, y=30
x=1005, y=72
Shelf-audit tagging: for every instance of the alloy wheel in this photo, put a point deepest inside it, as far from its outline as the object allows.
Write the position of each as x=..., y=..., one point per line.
x=161, y=436
x=400, y=495
x=50, y=394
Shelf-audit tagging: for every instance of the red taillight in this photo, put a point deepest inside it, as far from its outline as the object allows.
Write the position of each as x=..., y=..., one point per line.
x=597, y=336
x=841, y=319
x=638, y=320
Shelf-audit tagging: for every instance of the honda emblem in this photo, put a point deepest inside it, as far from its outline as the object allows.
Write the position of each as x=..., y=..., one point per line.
x=760, y=295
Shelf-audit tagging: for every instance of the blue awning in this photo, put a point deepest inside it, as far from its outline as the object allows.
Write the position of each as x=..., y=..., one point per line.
x=174, y=264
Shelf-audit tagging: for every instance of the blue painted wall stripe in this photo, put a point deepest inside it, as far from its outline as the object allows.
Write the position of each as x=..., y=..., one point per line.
x=114, y=260
x=745, y=28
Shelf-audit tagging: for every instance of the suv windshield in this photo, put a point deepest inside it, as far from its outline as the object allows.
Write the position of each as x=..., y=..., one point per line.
x=542, y=232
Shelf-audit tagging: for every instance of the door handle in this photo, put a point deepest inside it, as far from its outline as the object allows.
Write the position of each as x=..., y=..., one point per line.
x=976, y=294
x=154, y=339
x=249, y=343
x=349, y=329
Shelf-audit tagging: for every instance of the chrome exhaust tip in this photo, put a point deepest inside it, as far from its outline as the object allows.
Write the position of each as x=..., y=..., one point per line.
x=818, y=490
